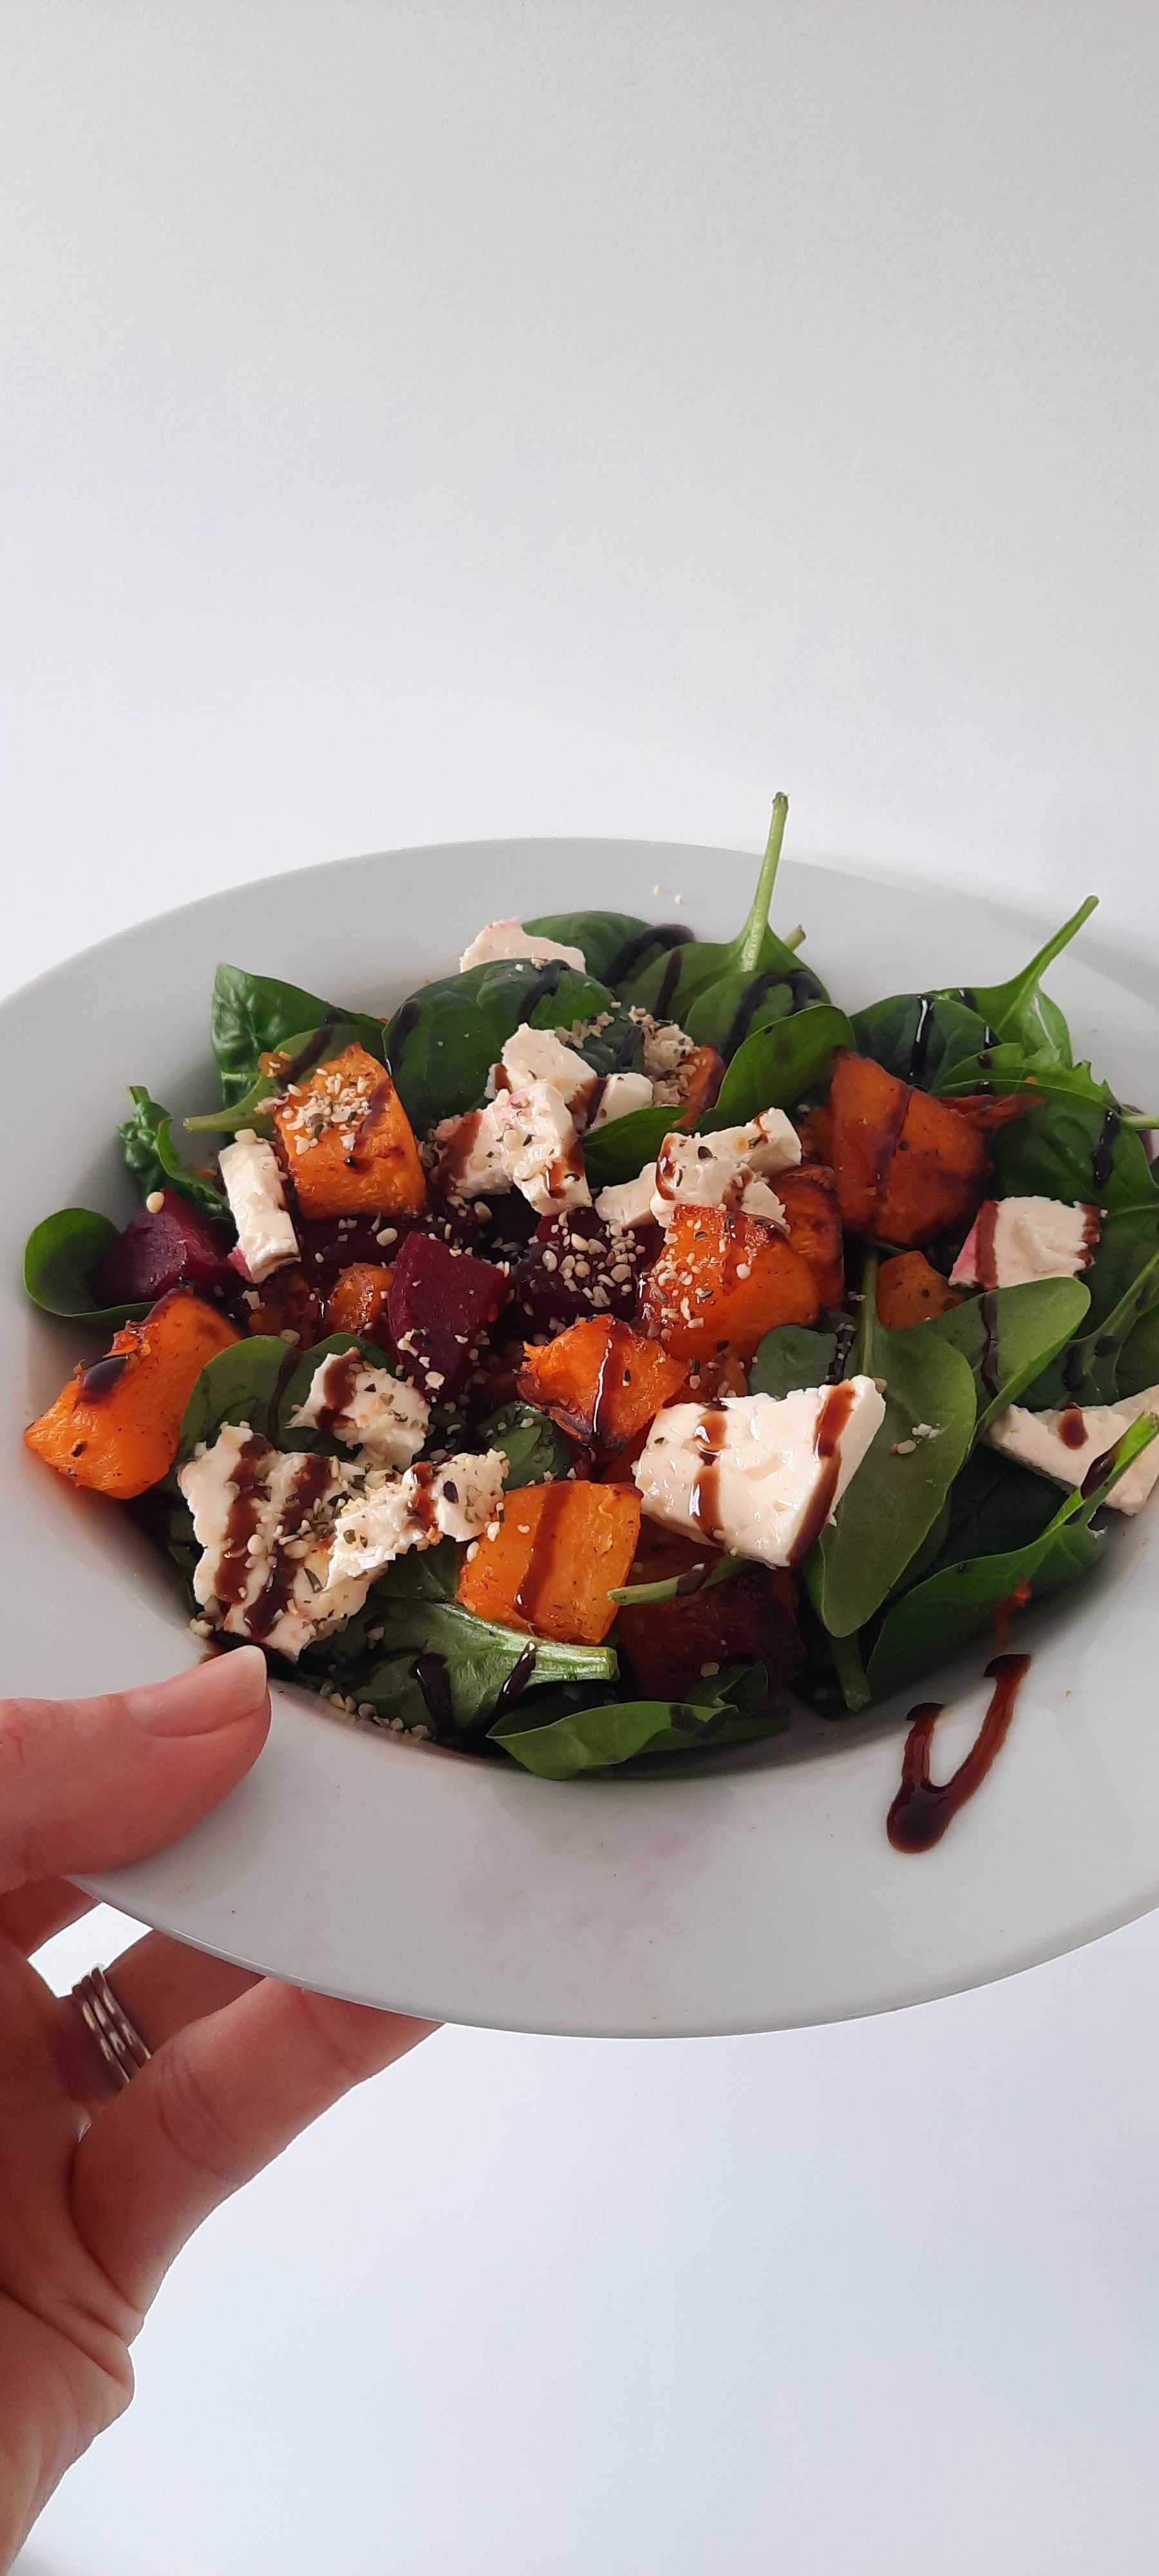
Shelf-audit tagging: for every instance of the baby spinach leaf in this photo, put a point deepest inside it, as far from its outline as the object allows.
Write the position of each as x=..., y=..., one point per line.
x=1019, y=1010
x=1088, y=1373
x=240, y=1384
x=1138, y=1366
x=789, y=1357
x=915, y=1035
x=305, y=1049
x=902, y=1483
x=154, y=1161
x=621, y=1149
x=778, y=1066
x=250, y=1015
x=477, y=1658
x=616, y=940
x=719, y=1711
x=1016, y=1068
x=1009, y=1336
x=676, y=1587
x=532, y=1443
x=297, y=1382
x=734, y=1008
x=443, y=1040
x=1075, y=1150
x=933, y=1622
x=994, y=1505
x=59, y=1256
x=672, y=983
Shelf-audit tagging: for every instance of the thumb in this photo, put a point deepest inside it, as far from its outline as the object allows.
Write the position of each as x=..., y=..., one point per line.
x=88, y=1783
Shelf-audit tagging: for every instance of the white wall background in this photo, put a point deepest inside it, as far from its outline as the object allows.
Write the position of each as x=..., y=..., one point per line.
x=425, y=420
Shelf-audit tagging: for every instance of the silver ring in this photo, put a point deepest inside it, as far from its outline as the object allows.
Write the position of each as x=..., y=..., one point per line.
x=120, y=2045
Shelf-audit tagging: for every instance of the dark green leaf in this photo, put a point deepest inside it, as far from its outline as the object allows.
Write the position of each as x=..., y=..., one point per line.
x=443, y=1040
x=622, y=1148
x=676, y=1587
x=1009, y=1336
x=603, y=937
x=1073, y=1149
x=779, y=1066
x=727, y=1710
x=532, y=1443
x=59, y=1256
x=995, y=1505
x=479, y=1659
x=1018, y=1010
x=789, y=1357
x=238, y=1385
x=1088, y=1373
x=893, y=1499
x=1138, y=1367
x=915, y=1035
x=731, y=1010
x=154, y=1161
x=1016, y=1068
x=251, y=1015
x=672, y=983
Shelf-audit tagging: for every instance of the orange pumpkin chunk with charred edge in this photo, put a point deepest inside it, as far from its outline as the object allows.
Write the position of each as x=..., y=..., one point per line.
x=347, y=1141
x=909, y=1289
x=751, y=1617
x=808, y=1194
x=721, y=1282
x=699, y=1078
x=600, y=1380
x=908, y=1166
x=357, y=1301
x=560, y=1550
x=117, y=1423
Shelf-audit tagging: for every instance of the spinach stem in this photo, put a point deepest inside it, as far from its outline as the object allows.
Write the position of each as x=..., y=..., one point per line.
x=861, y=1346
x=1034, y=973
x=748, y=953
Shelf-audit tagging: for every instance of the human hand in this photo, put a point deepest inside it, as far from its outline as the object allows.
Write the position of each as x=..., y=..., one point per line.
x=101, y=2183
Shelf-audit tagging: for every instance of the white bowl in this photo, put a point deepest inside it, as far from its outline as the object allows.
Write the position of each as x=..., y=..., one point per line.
x=749, y=1892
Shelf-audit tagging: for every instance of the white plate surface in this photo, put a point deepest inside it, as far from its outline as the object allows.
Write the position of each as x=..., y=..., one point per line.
x=750, y=1895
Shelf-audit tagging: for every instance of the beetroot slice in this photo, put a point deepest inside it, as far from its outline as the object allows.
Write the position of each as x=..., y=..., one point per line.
x=440, y=1304
x=176, y=1246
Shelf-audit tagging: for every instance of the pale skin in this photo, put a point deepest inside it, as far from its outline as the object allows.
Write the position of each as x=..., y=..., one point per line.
x=100, y=2185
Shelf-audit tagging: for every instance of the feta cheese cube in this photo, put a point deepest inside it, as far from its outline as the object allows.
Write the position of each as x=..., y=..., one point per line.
x=622, y=1093
x=759, y=1474
x=540, y=1147
x=252, y=1181
x=716, y=1171
x=628, y=1202
x=1065, y=1444
x=472, y=1163
x=388, y=1515
x=365, y=1408
x=537, y=1055
x=666, y=1045
x=510, y=939
x=1016, y=1240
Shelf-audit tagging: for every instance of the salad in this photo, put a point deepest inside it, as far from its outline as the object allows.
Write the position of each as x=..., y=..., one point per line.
x=620, y=1334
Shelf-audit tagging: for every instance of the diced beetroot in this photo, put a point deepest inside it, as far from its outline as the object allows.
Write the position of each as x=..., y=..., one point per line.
x=440, y=1304
x=175, y=1247
x=568, y=1273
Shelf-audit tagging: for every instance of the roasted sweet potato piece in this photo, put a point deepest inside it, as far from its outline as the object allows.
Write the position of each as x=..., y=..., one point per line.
x=721, y=1281
x=936, y=1177
x=600, y=1380
x=808, y=1195
x=116, y=1424
x=816, y=1133
x=699, y=1079
x=867, y=1107
x=347, y=1141
x=909, y=1289
x=357, y=1302
x=561, y=1549
x=668, y=1643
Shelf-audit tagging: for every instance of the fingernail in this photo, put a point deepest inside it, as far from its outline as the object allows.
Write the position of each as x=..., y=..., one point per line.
x=216, y=1693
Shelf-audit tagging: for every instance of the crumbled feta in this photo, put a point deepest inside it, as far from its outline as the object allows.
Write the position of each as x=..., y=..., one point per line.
x=1064, y=1445
x=759, y=1474
x=510, y=939
x=622, y=1093
x=291, y=1542
x=718, y=1171
x=1016, y=1240
x=365, y=1408
x=526, y=1139
x=665, y=1045
x=628, y=1202
x=253, y=1185
x=537, y=1055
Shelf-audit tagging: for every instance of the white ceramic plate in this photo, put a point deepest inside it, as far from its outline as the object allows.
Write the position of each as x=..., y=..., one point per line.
x=753, y=1893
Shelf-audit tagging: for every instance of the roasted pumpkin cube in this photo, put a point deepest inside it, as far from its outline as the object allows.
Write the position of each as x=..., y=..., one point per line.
x=116, y=1424
x=936, y=1177
x=347, y=1141
x=750, y=1617
x=600, y=1380
x=560, y=1550
x=286, y=1303
x=721, y=1282
x=909, y=1290
x=808, y=1194
x=867, y=1107
x=357, y=1302
x=698, y=1079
